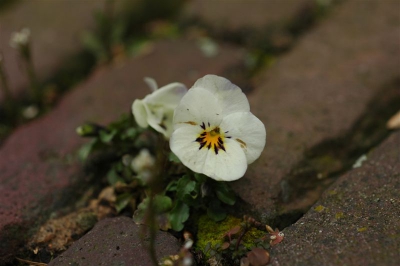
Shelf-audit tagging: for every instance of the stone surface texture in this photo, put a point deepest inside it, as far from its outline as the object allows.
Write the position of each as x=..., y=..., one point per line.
x=313, y=93
x=319, y=89
x=117, y=241
x=229, y=14
x=356, y=222
x=56, y=33
x=38, y=166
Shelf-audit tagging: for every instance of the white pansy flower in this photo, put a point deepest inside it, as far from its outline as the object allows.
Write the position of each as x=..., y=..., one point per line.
x=157, y=108
x=214, y=131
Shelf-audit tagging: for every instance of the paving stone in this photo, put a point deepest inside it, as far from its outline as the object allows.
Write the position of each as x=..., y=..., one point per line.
x=356, y=222
x=318, y=90
x=37, y=164
x=229, y=14
x=56, y=33
x=117, y=241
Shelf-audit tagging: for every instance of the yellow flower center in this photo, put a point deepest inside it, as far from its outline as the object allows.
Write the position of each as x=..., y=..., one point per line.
x=211, y=139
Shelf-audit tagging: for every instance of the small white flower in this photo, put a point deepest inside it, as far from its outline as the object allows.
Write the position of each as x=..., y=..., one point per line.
x=143, y=161
x=20, y=38
x=214, y=131
x=157, y=108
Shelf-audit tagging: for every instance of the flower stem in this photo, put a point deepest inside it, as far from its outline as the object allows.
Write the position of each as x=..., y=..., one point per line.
x=8, y=100
x=34, y=85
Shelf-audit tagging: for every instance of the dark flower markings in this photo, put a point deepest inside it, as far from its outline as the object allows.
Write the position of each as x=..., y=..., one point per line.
x=211, y=139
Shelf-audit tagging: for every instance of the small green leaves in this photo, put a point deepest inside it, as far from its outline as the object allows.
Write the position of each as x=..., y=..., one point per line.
x=86, y=149
x=179, y=215
x=122, y=201
x=106, y=137
x=224, y=193
x=216, y=212
x=185, y=187
x=160, y=206
x=173, y=158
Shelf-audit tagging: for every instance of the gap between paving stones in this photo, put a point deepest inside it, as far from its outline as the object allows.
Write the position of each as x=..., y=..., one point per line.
x=37, y=161
x=304, y=120
x=77, y=66
x=313, y=150
x=325, y=162
x=266, y=40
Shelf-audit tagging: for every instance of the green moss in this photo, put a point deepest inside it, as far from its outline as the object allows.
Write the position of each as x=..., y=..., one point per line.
x=319, y=208
x=213, y=232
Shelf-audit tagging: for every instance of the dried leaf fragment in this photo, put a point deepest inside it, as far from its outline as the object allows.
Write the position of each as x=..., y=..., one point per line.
x=258, y=257
x=394, y=121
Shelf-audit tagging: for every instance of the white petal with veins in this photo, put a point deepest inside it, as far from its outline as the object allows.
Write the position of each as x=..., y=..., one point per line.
x=248, y=131
x=229, y=96
x=198, y=105
x=227, y=165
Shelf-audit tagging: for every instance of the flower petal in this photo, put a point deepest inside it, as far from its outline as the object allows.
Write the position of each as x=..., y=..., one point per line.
x=140, y=113
x=152, y=83
x=229, y=96
x=168, y=96
x=157, y=109
x=248, y=131
x=183, y=145
x=224, y=166
x=196, y=107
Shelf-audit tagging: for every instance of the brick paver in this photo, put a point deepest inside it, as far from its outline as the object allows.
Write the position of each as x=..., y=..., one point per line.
x=117, y=241
x=233, y=15
x=56, y=33
x=356, y=222
x=318, y=90
x=37, y=169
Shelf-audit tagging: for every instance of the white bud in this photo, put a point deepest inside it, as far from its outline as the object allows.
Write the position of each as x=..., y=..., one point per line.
x=143, y=161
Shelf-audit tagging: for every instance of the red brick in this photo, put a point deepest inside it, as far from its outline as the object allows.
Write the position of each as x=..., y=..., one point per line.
x=117, y=241
x=56, y=33
x=318, y=90
x=356, y=222
x=37, y=162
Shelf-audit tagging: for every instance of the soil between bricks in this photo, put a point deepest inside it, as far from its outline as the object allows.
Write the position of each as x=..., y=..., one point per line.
x=317, y=92
x=228, y=15
x=56, y=32
x=39, y=170
x=356, y=222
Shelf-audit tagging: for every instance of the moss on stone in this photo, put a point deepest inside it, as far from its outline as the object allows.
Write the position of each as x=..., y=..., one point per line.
x=213, y=232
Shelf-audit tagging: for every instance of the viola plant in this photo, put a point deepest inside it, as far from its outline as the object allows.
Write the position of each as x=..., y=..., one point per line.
x=177, y=150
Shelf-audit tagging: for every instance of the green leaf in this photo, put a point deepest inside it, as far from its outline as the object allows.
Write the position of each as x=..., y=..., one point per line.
x=86, y=149
x=106, y=137
x=173, y=158
x=185, y=187
x=225, y=194
x=113, y=177
x=200, y=177
x=130, y=133
x=162, y=203
x=216, y=212
x=122, y=201
x=172, y=186
x=178, y=215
